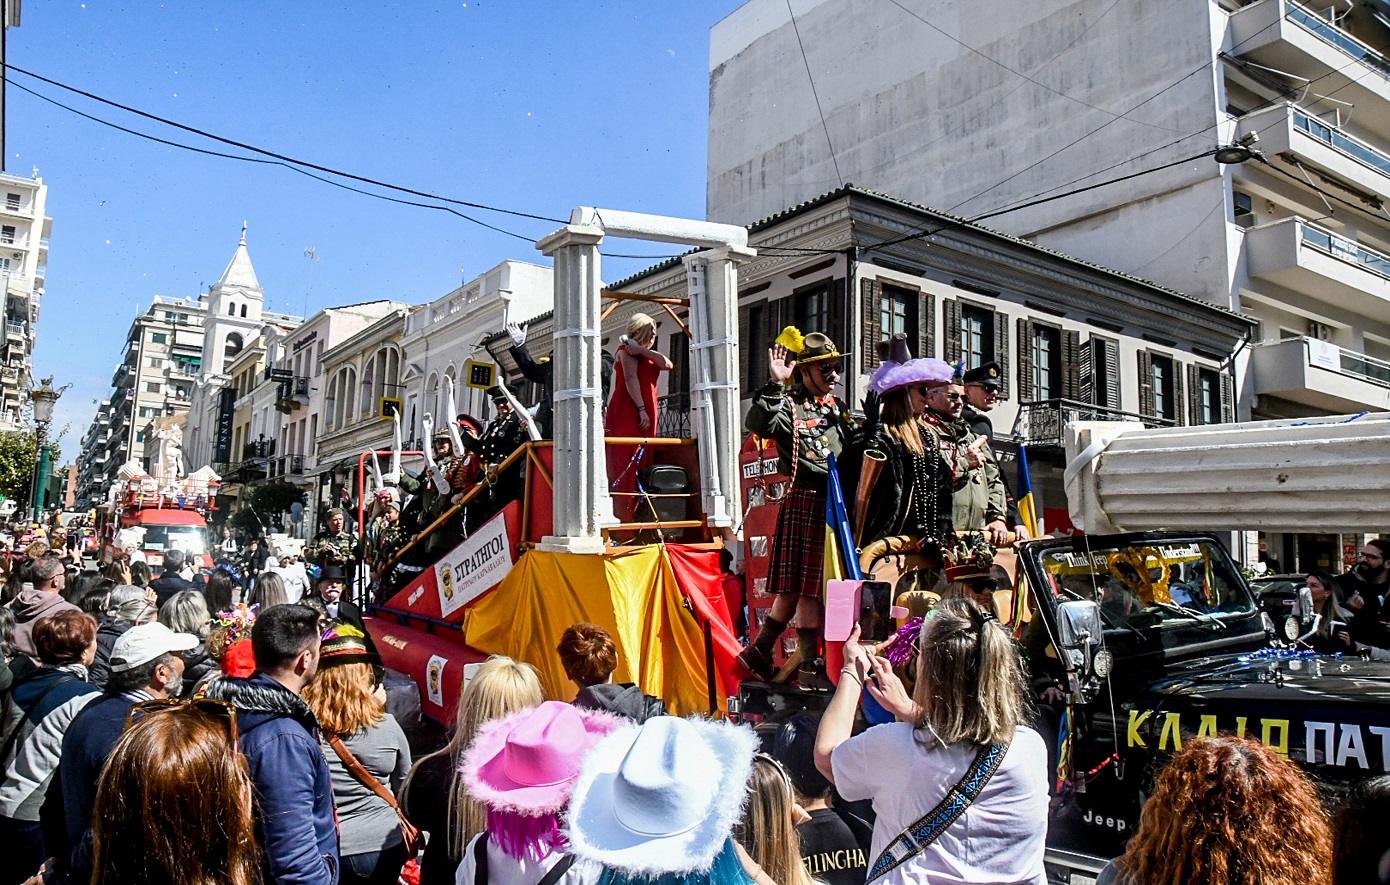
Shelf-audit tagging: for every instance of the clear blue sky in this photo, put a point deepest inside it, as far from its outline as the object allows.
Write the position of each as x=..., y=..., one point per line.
x=539, y=106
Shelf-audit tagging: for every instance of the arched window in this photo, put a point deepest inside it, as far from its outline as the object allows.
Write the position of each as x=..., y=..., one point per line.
x=330, y=400
x=369, y=401
x=233, y=346
x=243, y=311
x=231, y=308
x=432, y=399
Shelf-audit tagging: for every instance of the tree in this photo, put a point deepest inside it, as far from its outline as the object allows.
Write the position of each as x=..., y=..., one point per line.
x=18, y=461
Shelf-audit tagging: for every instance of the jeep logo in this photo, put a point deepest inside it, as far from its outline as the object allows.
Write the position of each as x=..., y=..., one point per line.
x=1117, y=824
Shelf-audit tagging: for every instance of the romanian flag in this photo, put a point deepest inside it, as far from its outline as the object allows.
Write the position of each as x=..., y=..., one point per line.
x=1028, y=515
x=1027, y=504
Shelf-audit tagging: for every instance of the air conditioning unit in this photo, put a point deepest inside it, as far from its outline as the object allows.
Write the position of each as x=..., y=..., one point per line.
x=1320, y=331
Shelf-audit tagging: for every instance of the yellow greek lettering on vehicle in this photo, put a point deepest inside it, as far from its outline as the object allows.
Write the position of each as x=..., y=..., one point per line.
x=1267, y=727
x=1137, y=719
x=1207, y=727
x=1172, y=725
x=1351, y=745
x=1240, y=726
x=1311, y=731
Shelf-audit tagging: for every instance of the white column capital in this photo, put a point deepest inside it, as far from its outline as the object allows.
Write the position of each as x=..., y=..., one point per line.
x=570, y=235
x=735, y=254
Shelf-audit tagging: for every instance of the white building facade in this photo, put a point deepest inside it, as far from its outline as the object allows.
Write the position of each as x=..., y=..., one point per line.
x=24, y=232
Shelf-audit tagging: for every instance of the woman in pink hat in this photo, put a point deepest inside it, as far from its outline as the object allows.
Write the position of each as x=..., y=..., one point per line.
x=912, y=495
x=522, y=768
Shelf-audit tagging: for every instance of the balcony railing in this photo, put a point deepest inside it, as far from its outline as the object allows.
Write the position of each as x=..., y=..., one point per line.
x=1344, y=249
x=1337, y=37
x=1338, y=139
x=287, y=465
x=1368, y=368
x=1043, y=423
x=673, y=416
x=260, y=449
x=15, y=329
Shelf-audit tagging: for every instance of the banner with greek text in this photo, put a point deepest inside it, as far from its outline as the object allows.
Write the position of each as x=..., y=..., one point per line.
x=476, y=565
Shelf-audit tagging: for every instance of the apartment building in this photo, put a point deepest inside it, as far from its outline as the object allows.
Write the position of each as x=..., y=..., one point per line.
x=988, y=107
x=155, y=378
x=24, y=233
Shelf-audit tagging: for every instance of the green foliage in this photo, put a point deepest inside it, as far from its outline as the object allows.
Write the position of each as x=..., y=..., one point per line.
x=273, y=498
x=18, y=461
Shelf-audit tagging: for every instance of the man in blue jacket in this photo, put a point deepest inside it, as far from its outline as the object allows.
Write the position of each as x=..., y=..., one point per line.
x=279, y=738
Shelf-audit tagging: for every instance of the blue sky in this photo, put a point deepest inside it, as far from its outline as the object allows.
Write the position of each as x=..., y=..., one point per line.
x=534, y=106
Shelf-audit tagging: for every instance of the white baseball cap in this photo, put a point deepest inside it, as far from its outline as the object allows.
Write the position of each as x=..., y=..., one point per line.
x=142, y=644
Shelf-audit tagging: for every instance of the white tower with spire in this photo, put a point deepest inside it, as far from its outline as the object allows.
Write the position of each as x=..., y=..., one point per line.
x=234, y=311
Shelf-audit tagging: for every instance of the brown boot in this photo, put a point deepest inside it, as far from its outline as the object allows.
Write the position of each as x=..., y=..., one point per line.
x=757, y=657
x=810, y=675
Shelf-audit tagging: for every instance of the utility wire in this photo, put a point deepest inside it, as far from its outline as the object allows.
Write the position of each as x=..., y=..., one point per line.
x=282, y=157
x=828, y=143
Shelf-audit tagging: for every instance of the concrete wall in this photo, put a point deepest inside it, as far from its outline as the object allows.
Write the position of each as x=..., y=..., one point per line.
x=916, y=115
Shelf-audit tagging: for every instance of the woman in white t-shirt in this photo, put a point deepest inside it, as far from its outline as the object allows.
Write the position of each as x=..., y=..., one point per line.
x=967, y=710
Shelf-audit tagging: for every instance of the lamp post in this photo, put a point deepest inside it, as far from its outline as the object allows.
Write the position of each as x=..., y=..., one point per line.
x=44, y=400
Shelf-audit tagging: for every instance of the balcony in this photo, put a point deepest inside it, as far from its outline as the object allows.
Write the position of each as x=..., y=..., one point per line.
x=1285, y=36
x=1320, y=264
x=1321, y=375
x=14, y=330
x=1287, y=129
x=673, y=416
x=261, y=449
x=287, y=465
x=1042, y=424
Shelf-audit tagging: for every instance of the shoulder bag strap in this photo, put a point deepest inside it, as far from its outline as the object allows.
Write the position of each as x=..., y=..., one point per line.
x=357, y=770
x=480, y=859
x=561, y=867
x=917, y=837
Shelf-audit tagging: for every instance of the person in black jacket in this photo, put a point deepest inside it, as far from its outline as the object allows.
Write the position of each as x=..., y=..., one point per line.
x=589, y=657
x=171, y=582
x=329, y=592
x=982, y=387
x=542, y=373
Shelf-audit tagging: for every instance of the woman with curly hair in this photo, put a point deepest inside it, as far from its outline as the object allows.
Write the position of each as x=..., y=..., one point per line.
x=1228, y=810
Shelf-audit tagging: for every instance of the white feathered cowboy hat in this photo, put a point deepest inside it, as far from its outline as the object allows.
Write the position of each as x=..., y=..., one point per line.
x=661, y=797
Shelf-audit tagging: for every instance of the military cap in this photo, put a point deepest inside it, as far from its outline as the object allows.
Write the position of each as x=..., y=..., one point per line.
x=986, y=373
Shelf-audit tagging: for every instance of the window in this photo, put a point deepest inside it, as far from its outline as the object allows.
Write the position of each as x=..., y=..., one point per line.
x=7, y=232
x=231, y=309
x=243, y=311
x=976, y=340
x=1100, y=373
x=233, y=346
x=1160, y=387
x=897, y=315
x=139, y=436
x=888, y=309
x=156, y=362
x=1047, y=361
x=152, y=386
x=12, y=202
x=169, y=315
x=1212, y=395
x=678, y=379
x=813, y=310
x=159, y=338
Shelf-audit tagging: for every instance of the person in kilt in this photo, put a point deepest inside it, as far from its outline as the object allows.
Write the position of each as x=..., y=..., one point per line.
x=809, y=424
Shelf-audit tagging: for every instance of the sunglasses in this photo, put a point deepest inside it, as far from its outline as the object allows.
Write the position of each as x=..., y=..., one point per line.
x=953, y=397
x=829, y=370
x=220, y=709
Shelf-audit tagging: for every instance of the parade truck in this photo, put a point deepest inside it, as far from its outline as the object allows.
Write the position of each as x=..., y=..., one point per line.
x=1147, y=625
x=646, y=558
x=152, y=517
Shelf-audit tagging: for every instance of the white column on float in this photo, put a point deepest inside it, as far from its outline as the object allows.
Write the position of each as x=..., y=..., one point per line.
x=582, y=505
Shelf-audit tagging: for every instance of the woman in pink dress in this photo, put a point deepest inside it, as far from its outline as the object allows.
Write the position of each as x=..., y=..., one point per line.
x=632, y=410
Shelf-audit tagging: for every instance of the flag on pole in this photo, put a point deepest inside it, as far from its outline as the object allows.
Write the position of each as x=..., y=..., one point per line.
x=1027, y=504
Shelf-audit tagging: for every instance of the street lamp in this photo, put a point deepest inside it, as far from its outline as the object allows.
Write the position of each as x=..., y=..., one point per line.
x=45, y=398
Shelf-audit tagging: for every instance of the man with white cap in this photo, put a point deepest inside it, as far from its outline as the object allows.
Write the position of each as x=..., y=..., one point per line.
x=145, y=666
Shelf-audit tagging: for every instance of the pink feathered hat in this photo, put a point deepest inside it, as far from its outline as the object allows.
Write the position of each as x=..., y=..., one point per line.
x=926, y=370
x=527, y=762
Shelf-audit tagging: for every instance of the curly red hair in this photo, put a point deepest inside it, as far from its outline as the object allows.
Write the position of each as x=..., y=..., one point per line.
x=1230, y=811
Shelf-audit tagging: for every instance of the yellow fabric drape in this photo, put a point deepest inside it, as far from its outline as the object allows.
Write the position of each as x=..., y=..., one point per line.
x=633, y=595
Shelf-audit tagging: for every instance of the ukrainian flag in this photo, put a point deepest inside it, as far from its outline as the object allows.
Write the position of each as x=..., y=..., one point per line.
x=1027, y=504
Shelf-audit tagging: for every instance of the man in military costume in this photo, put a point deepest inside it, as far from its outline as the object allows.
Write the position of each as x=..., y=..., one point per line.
x=429, y=503
x=503, y=435
x=809, y=424
x=385, y=538
x=979, y=502
x=982, y=386
x=337, y=546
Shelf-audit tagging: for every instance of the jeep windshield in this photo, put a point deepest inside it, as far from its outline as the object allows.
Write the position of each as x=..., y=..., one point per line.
x=1144, y=584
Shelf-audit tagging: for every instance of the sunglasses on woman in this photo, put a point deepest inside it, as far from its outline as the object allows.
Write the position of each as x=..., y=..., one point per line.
x=220, y=709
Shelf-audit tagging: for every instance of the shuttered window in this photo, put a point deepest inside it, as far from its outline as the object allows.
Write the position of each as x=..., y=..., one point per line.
x=975, y=335
x=1098, y=373
x=869, y=313
x=888, y=309
x=1160, y=387
x=1049, y=362
x=1209, y=396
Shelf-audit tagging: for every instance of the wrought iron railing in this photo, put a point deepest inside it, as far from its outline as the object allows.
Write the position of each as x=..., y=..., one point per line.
x=673, y=416
x=1043, y=423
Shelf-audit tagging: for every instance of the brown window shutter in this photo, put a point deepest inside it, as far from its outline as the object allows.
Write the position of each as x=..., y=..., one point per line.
x=926, y=325
x=1086, y=372
x=1228, y=398
x=950, y=314
x=870, y=294
x=1146, y=384
x=1071, y=365
x=1178, y=398
x=1025, y=359
x=745, y=350
x=1001, y=352
x=1194, y=395
x=1112, y=374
